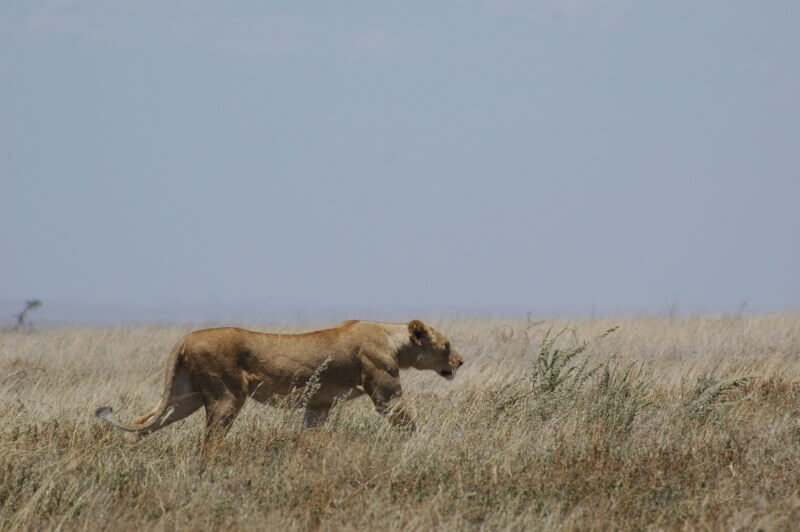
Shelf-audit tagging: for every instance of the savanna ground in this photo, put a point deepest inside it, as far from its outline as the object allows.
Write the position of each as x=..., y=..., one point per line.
x=662, y=423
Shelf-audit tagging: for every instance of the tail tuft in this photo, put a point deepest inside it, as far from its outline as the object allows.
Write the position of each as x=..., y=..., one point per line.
x=104, y=413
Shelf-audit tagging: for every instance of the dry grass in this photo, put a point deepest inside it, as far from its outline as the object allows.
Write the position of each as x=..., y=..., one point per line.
x=662, y=424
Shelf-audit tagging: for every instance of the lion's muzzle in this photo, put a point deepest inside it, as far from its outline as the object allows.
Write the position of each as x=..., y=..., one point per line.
x=455, y=362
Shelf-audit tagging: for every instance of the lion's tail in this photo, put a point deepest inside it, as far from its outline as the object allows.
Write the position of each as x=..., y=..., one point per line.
x=163, y=410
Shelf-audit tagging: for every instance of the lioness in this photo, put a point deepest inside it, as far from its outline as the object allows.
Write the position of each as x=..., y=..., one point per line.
x=220, y=368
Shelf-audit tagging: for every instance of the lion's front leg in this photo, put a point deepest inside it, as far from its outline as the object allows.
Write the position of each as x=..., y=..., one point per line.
x=398, y=415
x=387, y=396
x=219, y=417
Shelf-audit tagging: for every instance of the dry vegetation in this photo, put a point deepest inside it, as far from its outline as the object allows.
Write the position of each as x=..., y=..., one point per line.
x=664, y=423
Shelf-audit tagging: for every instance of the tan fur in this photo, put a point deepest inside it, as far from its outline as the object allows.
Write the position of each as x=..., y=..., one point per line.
x=220, y=368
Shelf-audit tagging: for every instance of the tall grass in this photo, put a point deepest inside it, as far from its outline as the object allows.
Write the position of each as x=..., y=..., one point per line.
x=661, y=423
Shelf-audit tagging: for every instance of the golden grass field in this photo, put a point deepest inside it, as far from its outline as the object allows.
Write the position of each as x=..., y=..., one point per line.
x=662, y=424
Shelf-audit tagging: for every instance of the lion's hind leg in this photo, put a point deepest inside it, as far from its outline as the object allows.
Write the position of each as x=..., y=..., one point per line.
x=219, y=418
x=314, y=416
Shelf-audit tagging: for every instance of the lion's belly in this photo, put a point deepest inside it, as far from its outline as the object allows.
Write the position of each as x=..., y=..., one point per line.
x=336, y=394
x=262, y=392
x=273, y=389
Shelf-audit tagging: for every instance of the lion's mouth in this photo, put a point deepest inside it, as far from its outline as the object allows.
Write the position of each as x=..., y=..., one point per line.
x=447, y=373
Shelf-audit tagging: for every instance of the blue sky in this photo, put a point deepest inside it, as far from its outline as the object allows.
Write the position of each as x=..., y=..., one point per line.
x=548, y=156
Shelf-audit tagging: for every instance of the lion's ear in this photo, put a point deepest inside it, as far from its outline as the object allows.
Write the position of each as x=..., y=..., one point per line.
x=418, y=332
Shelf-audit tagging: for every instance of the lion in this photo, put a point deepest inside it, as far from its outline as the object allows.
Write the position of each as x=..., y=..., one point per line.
x=219, y=368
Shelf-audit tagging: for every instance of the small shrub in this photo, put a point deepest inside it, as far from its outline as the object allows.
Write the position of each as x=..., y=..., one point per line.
x=30, y=305
x=558, y=376
x=619, y=396
x=707, y=393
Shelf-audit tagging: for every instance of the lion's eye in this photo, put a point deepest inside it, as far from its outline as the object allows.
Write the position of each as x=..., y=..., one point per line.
x=447, y=346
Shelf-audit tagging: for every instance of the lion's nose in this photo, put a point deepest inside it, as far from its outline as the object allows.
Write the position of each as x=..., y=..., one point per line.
x=460, y=363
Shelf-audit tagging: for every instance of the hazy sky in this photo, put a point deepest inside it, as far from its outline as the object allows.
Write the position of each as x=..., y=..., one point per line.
x=498, y=156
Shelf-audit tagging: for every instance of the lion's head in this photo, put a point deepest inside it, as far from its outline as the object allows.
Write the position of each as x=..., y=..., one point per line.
x=430, y=349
